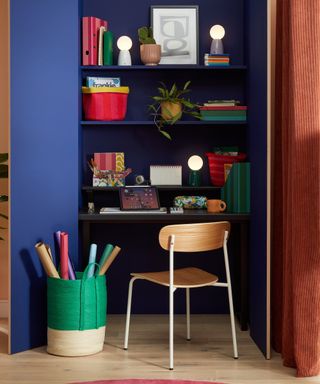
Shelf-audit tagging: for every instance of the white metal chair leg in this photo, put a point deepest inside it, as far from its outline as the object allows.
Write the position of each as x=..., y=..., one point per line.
x=171, y=326
x=188, y=312
x=126, y=337
x=171, y=307
x=233, y=328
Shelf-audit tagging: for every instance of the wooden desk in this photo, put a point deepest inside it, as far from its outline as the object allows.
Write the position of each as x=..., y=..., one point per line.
x=189, y=216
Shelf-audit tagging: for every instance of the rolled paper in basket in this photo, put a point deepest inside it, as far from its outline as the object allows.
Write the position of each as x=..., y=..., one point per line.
x=109, y=261
x=92, y=259
x=106, y=253
x=72, y=275
x=46, y=260
x=64, y=255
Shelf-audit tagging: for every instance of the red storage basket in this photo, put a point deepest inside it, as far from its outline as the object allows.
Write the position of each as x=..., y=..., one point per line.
x=216, y=166
x=105, y=103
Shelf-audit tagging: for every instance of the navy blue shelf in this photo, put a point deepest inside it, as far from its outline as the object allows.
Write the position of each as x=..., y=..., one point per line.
x=150, y=122
x=161, y=67
x=185, y=188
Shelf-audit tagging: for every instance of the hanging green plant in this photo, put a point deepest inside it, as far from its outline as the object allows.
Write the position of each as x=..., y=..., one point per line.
x=170, y=105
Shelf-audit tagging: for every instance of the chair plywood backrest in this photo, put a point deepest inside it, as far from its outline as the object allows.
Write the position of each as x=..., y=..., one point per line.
x=194, y=237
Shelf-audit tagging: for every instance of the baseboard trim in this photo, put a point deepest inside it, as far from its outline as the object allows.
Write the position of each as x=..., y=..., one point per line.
x=4, y=308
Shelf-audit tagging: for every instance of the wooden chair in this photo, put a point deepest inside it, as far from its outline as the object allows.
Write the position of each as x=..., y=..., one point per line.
x=188, y=238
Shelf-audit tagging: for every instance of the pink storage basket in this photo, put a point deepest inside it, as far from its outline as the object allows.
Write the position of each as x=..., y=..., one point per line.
x=216, y=166
x=105, y=103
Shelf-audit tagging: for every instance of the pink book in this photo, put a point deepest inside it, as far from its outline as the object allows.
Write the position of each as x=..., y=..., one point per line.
x=90, y=39
x=64, y=272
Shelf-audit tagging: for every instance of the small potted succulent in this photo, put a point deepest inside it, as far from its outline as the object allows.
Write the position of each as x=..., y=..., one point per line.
x=170, y=105
x=150, y=51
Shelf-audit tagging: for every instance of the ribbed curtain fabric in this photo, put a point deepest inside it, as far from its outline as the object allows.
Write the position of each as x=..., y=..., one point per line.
x=296, y=210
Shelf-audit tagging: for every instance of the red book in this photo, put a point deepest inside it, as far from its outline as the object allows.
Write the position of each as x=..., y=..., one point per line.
x=90, y=39
x=233, y=108
x=64, y=272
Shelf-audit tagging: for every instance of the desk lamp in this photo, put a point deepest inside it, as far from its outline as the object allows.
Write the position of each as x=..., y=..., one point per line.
x=217, y=33
x=195, y=163
x=124, y=43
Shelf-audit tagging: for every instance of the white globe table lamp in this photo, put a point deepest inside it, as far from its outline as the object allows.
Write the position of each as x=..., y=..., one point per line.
x=124, y=43
x=217, y=33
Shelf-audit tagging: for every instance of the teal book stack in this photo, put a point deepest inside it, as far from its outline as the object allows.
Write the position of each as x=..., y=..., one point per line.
x=236, y=191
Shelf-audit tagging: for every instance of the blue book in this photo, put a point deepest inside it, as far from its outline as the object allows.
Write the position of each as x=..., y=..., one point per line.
x=103, y=81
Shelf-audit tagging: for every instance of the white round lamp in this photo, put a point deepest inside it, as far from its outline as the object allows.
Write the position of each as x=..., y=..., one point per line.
x=195, y=163
x=124, y=43
x=217, y=33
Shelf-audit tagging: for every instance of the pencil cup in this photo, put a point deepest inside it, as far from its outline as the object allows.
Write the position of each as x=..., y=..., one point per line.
x=76, y=314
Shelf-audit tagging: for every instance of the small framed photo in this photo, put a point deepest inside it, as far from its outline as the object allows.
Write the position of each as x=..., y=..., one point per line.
x=176, y=29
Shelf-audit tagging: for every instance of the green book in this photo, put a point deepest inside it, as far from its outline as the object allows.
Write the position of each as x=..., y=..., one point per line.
x=223, y=118
x=223, y=113
x=107, y=48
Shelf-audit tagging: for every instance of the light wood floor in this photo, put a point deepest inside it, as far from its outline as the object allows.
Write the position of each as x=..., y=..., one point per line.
x=208, y=356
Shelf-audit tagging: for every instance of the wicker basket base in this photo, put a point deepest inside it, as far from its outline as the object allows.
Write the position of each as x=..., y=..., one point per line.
x=75, y=343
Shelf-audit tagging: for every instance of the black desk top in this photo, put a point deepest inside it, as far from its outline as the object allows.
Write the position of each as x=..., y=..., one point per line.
x=188, y=216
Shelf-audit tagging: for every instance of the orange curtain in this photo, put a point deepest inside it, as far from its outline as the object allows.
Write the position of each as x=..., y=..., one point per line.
x=296, y=221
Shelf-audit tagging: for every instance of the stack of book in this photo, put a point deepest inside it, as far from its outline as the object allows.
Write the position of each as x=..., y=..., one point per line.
x=97, y=42
x=223, y=110
x=216, y=60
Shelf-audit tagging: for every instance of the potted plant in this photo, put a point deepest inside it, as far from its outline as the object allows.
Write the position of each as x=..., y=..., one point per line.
x=3, y=175
x=150, y=51
x=170, y=105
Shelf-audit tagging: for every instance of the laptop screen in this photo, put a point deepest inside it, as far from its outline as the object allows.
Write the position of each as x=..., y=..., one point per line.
x=139, y=198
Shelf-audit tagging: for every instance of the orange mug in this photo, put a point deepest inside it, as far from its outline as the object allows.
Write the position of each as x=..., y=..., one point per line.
x=216, y=206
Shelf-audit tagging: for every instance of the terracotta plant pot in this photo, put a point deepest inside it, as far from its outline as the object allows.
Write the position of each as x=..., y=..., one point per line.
x=174, y=108
x=150, y=54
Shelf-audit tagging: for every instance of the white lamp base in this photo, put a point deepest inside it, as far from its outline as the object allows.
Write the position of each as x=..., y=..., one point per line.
x=124, y=58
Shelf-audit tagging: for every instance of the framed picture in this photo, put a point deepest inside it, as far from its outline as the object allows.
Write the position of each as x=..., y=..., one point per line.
x=175, y=28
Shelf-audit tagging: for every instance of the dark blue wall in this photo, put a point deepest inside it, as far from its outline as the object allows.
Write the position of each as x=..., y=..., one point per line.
x=256, y=54
x=44, y=151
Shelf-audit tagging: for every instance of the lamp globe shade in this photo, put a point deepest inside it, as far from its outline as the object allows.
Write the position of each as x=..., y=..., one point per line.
x=217, y=32
x=195, y=163
x=124, y=43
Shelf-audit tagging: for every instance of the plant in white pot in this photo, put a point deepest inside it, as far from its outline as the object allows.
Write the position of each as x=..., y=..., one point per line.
x=170, y=105
x=150, y=51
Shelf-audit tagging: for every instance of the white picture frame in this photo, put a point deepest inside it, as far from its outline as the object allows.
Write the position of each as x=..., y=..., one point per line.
x=176, y=29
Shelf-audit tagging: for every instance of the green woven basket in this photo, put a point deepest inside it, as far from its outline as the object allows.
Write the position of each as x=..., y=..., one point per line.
x=77, y=304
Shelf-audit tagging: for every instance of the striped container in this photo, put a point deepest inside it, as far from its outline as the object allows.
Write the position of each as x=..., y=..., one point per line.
x=216, y=166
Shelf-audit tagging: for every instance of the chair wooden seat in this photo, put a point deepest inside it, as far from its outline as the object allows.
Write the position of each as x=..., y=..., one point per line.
x=183, y=277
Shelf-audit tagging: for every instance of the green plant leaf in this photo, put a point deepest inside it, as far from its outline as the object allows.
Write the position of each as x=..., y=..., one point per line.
x=188, y=104
x=161, y=91
x=165, y=134
x=3, y=157
x=4, y=216
x=3, y=171
x=3, y=198
x=173, y=90
x=157, y=98
x=187, y=85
